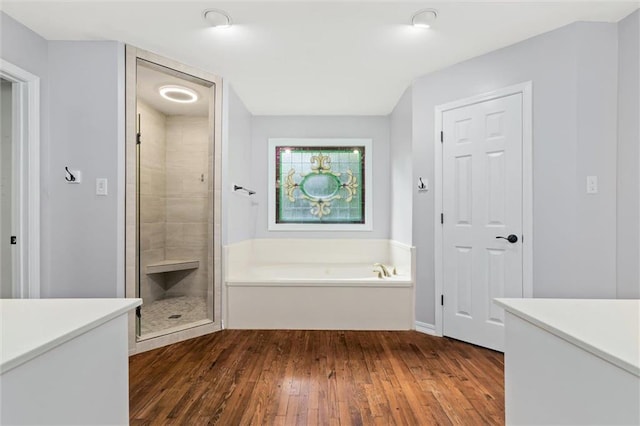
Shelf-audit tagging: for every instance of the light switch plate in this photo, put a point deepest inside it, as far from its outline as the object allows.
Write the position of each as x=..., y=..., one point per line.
x=101, y=186
x=592, y=184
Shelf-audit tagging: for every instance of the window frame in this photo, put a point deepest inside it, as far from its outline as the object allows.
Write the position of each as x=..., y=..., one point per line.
x=320, y=142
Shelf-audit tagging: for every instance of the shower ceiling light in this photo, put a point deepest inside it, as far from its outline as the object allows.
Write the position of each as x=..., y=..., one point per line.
x=217, y=18
x=178, y=94
x=424, y=18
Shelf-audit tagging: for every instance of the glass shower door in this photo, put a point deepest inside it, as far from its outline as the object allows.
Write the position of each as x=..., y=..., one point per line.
x=174, y=200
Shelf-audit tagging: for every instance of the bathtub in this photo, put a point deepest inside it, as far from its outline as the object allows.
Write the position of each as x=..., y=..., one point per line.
x=311, y=273
x=318, y=284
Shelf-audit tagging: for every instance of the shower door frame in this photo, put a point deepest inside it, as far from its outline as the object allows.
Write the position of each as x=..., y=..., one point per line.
x=132, y=251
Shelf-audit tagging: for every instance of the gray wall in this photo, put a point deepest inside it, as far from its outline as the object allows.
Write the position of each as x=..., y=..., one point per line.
x=86, y=134
x=400, y=156
x=82, y=239
x=374, y=127
x=629, y=157
x=239, y=211
x=24, y=48
x=574, y=75
x=82, y=126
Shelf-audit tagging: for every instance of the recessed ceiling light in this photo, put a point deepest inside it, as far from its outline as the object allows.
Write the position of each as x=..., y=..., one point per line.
x=178, y=94
x=424, y=18
x=217, y=18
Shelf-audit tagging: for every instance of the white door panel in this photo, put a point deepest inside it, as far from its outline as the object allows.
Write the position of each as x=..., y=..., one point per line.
x=482, y=199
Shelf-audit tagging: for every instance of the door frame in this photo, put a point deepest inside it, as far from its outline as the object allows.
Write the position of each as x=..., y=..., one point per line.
x=26, y=150
x=526, y=89
x=132, y=54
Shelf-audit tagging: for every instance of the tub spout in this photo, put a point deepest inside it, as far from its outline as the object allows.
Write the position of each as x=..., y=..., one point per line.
x=384, y=269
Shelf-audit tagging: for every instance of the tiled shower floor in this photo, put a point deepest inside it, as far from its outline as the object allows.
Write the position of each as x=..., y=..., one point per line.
x=156, y=315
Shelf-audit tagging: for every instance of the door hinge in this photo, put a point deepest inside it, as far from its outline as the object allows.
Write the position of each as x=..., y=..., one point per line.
x=139, y=312
x=441, y=137
x=442, y=300
x=14, y=240
x=442, y=218
x=139, y=130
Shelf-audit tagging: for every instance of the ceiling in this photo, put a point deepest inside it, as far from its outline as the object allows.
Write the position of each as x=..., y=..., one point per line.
x=149, y=81
x=312, y=57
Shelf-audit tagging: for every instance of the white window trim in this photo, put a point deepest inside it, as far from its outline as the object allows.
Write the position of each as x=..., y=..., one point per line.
x=368, y=202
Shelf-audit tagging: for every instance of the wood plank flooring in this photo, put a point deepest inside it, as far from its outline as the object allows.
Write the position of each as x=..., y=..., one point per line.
x=293, y=377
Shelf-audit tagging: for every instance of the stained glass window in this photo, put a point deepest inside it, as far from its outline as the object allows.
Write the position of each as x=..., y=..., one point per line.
x=320, y=184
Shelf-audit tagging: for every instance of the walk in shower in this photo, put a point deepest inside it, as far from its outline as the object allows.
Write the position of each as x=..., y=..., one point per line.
x=176, y=245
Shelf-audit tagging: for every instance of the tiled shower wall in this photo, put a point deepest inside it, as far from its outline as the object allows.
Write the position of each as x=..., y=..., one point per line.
x=152, y=199
x=187, y=202
x=174, y=201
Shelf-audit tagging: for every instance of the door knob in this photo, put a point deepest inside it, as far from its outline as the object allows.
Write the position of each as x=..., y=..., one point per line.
x=513, y=238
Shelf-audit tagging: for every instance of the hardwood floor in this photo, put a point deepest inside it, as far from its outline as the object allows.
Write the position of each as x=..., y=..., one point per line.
x=242, y=377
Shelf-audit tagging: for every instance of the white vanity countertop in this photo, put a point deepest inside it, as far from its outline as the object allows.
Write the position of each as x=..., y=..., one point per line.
x=609, y=329
x=31, y=327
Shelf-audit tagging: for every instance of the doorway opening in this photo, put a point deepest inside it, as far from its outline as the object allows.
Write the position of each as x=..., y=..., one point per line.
x=19, y=182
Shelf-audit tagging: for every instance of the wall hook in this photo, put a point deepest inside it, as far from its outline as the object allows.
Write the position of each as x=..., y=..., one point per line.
x=69, y=177
x=72, y=176
x=421, y=185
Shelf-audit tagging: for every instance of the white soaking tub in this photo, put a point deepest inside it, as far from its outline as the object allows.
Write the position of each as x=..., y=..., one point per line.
x=318, y=273
x=319, y=284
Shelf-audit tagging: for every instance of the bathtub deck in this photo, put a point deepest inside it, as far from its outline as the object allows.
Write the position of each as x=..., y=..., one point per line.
x=236, y=377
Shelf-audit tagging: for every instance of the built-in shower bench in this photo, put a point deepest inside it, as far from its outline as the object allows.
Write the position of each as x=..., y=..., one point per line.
x=172, y=265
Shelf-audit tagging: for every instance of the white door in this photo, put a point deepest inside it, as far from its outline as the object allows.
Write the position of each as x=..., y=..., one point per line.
x=482, y=217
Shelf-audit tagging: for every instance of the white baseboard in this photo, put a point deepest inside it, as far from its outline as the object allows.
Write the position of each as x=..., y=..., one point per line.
x=426, y=328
